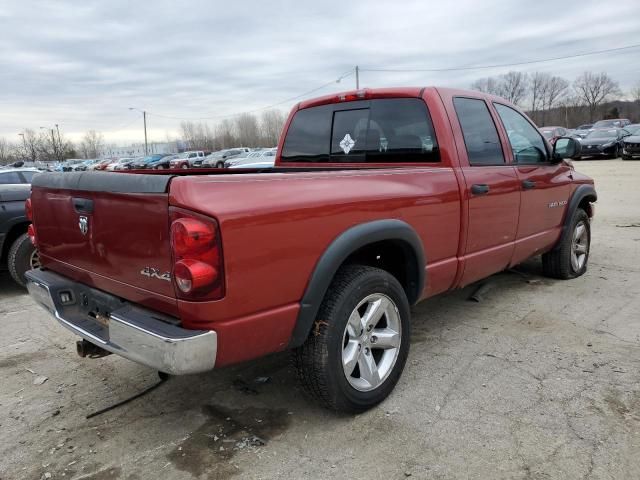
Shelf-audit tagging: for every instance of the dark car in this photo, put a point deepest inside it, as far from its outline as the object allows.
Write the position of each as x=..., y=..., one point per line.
x=161, y=161
x=583, y=130
x=603, y=142
x=149, y=161
x=631, y=142
x=612, y=123
x=17, y=253
x=553, y=133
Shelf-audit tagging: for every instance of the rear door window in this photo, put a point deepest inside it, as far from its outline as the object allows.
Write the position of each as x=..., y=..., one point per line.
x=480, y=134
x=378, y=131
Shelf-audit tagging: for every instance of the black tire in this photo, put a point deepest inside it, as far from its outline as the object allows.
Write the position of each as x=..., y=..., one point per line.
x=220, y=165
x=19, y=259
x=626, y=157
x=557, y=263
x=616, y=152
x=319, y=361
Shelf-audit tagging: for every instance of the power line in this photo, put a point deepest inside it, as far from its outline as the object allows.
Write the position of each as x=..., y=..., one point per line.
x=288, y=100
x=482, y=67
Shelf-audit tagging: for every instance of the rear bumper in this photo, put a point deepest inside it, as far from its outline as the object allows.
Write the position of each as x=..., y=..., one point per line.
x=123, y=328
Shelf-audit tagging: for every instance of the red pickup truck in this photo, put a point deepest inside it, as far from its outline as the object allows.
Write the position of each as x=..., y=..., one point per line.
x=378, y=200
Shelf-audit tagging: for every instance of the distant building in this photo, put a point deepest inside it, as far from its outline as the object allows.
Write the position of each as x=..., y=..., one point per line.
x=137, y=149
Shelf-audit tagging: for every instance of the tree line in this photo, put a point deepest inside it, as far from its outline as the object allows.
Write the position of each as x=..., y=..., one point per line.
x=550, y=99
x=245, y=130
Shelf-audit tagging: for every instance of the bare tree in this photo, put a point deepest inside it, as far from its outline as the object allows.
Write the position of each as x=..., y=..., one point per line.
x=92, y=144
x=635, y=92
x=595, y=89
x=512, y=86
x=487, y=85
x=248, y=131
x=271, y=124
x=553, y=90
x=7, y=152
x=30, y=144
x=225, y=134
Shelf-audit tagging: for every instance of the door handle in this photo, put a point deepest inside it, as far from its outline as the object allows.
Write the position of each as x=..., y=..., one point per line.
x=480, y=189
x=528, y=184
x=83, y=205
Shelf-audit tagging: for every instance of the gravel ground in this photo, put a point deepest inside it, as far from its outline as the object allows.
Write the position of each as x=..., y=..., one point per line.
x=538, y=381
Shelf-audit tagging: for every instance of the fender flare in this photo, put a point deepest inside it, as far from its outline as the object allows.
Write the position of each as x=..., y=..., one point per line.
x=584, y=191
x=339, y=250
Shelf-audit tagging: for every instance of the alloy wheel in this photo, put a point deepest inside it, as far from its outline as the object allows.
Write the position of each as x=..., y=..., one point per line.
x=371, y=342
x=579, y=246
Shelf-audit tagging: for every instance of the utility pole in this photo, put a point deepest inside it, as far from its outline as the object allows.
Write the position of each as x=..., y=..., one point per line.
x=357, y=77
x=144, y=116
x=59, y=144
x=24, y=142
x=144, y=119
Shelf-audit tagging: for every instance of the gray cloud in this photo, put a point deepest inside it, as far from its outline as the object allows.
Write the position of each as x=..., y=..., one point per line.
x=83, y=63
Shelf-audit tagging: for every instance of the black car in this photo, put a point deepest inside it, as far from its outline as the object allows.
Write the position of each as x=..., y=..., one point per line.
x=161, y=161
x=603, y=142
x=17, y=253
x=150, y=161
x=631, y=143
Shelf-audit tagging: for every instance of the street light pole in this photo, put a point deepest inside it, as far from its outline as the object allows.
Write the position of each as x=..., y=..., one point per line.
x=357, y=77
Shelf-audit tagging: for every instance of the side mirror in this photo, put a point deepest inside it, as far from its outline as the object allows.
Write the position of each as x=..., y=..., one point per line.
x=566, y=147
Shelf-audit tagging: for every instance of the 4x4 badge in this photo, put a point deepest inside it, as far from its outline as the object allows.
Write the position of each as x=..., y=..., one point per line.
x=83, y=223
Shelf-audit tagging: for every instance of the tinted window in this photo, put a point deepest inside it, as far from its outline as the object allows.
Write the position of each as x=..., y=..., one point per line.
x=480, y=135
x=526, y=143
x=384, y=130
x=10, y=177
x=309, y=136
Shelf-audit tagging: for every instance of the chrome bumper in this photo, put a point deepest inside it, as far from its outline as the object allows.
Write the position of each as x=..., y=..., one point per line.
x=141, y=335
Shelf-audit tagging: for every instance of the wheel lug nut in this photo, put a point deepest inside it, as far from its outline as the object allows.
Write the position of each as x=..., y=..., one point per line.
x=374, y=339
x=366, y=351
x=369, y=328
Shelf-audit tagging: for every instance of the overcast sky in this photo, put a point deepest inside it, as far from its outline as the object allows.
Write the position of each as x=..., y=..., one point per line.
x=81, y=64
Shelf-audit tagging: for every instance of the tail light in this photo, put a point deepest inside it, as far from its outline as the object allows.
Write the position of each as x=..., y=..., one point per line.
x=197, y=256
x=31, y=230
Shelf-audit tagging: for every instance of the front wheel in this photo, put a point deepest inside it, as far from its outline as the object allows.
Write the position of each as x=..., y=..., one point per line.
x=358, y=346
x=184, y=166
x=23, y=256
x=570, y=257
x=220, y=165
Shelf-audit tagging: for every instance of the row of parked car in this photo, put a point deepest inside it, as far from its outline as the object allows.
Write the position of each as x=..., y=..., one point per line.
x=240, y=157
x=612, y=138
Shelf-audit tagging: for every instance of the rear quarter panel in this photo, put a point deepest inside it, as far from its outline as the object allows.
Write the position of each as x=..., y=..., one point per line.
x=275, y=227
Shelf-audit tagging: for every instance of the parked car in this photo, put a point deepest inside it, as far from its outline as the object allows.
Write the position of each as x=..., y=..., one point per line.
x=217, y=159
x=17, y=175
x=102, y=164
x=612, y=123
x=603, y=142
x=583, y=130
x=73, y=165
x=188, y=159
x=631, y=142
x=256, y=156
x=162, y=161
x=17, y=253
x=126, y=164
x=553, y=133
x=378, y=199
x=149, y=161
x=263, y=164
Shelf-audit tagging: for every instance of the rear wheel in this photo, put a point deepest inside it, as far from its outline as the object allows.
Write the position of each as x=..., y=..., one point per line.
x=570, y=258
x=23, y=256
x=359, y=344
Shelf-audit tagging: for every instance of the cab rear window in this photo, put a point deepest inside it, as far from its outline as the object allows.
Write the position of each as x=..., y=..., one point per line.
x=375, y=131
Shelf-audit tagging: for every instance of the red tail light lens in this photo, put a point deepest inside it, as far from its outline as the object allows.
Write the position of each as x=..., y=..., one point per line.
x=31, y=232
x=197, y=256
x=28, y=209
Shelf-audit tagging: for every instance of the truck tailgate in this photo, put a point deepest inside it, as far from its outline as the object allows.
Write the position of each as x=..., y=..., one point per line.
x=110, y=230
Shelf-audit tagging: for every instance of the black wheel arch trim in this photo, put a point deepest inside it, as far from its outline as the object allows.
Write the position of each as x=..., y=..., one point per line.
x=585, y=191
x=339, y=250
